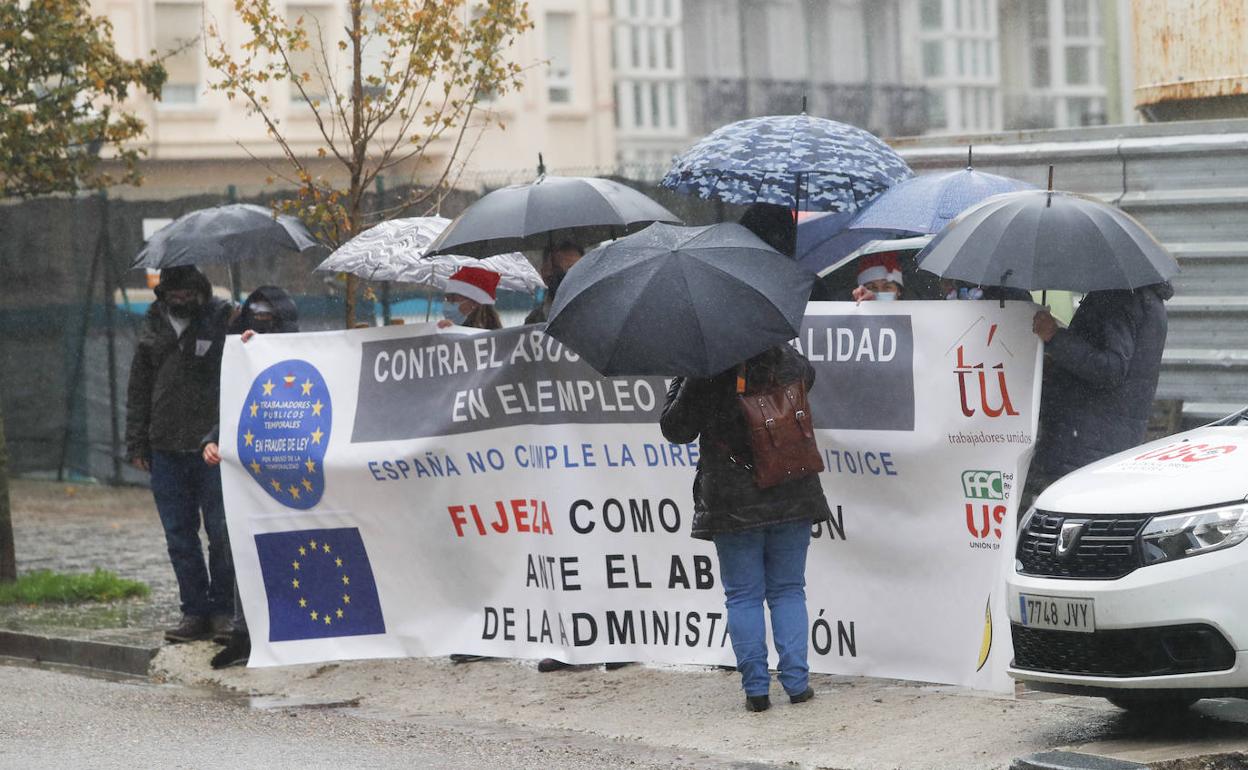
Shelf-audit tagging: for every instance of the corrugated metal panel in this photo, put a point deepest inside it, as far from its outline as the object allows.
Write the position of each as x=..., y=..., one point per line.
x=1187, y=183
x=1190, y=49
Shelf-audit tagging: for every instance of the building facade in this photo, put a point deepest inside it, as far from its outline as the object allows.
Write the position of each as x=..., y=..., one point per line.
x=200, y=141
x=894, y=67
x=627, y=84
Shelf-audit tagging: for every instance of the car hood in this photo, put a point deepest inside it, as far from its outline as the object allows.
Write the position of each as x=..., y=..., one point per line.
x=1202, y=467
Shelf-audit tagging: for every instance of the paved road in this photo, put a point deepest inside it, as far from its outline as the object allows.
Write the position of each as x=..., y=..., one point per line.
x=54, y=719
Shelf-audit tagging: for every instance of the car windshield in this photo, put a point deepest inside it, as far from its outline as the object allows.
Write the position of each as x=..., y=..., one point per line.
x=1241, y=418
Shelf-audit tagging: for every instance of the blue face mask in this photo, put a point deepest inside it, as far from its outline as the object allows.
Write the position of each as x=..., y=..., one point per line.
x=452, y=313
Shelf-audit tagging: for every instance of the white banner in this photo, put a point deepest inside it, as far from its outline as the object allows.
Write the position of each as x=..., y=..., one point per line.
x=407, y=491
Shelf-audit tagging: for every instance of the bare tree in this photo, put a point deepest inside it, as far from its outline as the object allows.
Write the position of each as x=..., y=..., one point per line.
x=400, y=76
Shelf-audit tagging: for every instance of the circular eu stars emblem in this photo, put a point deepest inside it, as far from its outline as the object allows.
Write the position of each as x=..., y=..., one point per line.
x=283, y=432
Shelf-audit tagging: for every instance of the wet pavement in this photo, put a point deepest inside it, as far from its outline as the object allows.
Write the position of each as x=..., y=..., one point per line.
x=77, y=528
x=852, y=723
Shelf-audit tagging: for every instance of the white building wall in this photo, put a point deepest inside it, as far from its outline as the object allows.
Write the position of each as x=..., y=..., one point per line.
x=199, y=141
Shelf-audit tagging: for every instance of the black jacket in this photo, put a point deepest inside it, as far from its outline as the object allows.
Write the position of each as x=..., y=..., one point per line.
x=725, y=498
x=175, y=382
x=285, y=321
x=1100, y=377
x=285, y=314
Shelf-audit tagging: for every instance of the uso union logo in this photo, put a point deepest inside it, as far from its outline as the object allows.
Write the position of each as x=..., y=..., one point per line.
x=283, y=432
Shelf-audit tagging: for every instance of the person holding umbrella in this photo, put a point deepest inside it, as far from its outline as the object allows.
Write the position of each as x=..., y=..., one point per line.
x=694, y=303
x=267, y=310
x=1100, y=377
x=469, y=299
x=1100, y=374
x=171, y=404
x=556, y=262
x=761, y=535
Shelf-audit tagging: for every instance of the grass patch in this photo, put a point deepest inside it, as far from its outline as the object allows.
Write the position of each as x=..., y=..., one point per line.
x=48, y=587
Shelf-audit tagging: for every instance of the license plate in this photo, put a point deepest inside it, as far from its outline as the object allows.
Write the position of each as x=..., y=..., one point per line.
x=1057, y=612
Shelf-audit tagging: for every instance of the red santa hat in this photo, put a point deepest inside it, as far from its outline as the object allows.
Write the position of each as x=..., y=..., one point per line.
x=475, y=283
x=884, y=265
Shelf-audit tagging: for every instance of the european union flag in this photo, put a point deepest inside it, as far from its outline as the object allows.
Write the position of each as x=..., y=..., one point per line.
x=319, y=584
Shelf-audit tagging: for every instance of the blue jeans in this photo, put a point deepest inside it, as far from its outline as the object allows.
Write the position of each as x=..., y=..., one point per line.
x=767, y=562
x=185, y=487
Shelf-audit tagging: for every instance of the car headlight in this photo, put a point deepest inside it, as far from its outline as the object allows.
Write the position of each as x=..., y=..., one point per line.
x=1166, y=538
x=1026, y=519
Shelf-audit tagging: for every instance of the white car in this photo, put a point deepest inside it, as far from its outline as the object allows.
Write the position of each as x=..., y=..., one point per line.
x=1127, y=581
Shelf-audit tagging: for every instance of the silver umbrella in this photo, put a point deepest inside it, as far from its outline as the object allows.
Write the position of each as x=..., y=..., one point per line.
x=395, y=250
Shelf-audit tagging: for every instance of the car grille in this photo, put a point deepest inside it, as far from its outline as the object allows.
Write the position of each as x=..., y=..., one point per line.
x=1184, y=649
x=1106, y=549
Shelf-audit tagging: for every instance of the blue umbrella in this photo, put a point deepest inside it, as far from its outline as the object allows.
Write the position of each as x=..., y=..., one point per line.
x=825, y=239
x=795, y=161
x=926, y=203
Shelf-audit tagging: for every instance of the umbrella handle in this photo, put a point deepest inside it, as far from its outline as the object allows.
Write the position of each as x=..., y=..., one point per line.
x=1004, y=277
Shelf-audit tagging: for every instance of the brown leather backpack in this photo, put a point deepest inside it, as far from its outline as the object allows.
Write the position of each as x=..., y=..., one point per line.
x=782, y=434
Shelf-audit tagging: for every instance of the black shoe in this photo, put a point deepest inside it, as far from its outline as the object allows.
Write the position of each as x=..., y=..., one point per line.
x=235, y=653
x=802, y=696
x=222, y=627
x=616, y=665
x=757, y=702
x=546, y=665
x=191, y=629
x=459, y=657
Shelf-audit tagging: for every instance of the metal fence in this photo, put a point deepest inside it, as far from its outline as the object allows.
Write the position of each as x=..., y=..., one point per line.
x=71, y=309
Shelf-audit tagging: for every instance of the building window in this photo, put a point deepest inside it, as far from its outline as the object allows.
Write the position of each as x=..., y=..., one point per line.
x=1041, y=76
x=179, y=27
x=559, y=53
x=1077, y=69
x=649, y=82
x=1077, y=14
x=308, y=64
x=958, y=55
x=936, y=115
x=1085, y=111
x=933, y=58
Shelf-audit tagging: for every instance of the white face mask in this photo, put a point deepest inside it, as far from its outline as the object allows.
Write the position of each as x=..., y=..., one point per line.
x=886, y=296
x=452, y=313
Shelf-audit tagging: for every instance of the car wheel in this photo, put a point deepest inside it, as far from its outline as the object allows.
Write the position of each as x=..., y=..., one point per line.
x=1152, y=703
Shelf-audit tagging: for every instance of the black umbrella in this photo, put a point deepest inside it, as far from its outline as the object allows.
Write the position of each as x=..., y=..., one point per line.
x=534, y=216
x=1042, y=239
x=688, y=301
x=225, y=234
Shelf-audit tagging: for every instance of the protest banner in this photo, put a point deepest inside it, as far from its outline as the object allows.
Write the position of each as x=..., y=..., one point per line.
x=410, y=491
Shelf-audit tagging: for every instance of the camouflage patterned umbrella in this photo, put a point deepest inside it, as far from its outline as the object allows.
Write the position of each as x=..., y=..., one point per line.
x=795, y=161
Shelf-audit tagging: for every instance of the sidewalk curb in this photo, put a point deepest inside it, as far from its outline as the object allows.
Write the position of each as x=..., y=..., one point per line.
x=105, y=656
x=1071, y=760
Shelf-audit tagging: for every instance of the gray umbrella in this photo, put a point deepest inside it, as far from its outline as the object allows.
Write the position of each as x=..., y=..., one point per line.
x=534, y=216
x=688, y=301
x=1040, y=239
x=224, y=234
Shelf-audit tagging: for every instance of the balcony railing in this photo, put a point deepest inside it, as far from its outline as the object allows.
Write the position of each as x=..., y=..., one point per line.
x=885, y=110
